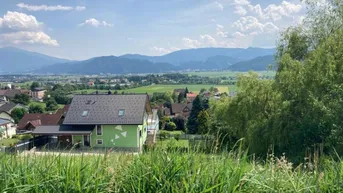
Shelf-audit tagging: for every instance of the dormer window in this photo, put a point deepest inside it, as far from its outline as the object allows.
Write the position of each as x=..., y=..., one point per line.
x=84, y=113
x=121, y=112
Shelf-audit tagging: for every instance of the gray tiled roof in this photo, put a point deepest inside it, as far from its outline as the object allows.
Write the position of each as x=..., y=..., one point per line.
x=104, y=109
x=7, y=107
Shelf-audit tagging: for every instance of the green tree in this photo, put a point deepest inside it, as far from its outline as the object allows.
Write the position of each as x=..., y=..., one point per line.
x=51, y=105
x=22, y=99
x=192, y=123
x=36, y=109
x=34, y=85
x=170, y=126
x=17, y=114
x=180, y=122
x=203, y=122
x=180, y=98
x=186, y=92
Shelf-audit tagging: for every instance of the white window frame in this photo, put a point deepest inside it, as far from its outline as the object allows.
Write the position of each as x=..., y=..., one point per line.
x=97, y=141
x=102, y=131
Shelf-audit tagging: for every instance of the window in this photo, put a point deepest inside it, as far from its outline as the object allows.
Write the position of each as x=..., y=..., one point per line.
x=84, y=113
x=121, y=112
x=140, y=133
x=99, y=141
x=98, y=130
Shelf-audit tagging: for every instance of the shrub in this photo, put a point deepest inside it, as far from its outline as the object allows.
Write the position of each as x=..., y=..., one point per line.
x=164, y=134
x=177, y=136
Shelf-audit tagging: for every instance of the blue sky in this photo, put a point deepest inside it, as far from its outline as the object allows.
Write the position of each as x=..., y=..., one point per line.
x=81, y=29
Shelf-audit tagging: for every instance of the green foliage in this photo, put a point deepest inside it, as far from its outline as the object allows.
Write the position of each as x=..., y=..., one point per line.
x=36, y=109
x=180, y=98
x=34, y=85
x=163, y=134
x=22, y=99
x=51, y=105
x=17, y=114
x=170, y=126
x=180, y=122
x=203, y=122
x=192, y=123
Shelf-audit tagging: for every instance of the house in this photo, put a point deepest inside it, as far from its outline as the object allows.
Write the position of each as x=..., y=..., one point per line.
x=177, y=91
x=191, y=97
x=38, y=93
x=31, y=121
x=7, y=128
x=100, y=122
x=8, y=107
x=7, y=95
x=90, y=83
x=181, y=109
x=153, y=127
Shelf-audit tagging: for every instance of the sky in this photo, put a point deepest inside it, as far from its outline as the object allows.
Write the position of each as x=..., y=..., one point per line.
x=82, y=29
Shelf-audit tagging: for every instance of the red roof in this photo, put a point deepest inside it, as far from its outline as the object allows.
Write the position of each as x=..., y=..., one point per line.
x=192, y=95
x=39, y=119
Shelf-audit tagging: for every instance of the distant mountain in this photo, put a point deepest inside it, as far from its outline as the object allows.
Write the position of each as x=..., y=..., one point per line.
x=17, y=60
x=214, y=62
x=108, y=64
x=202, y=54
x=258, y=64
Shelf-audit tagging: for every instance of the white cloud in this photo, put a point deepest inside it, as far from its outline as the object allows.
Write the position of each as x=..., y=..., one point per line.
x=80, y=8
x=26, y=37
x=49, y=8
x=95, y=23
x=189, y=43
x=276, y=12
x=19, y=28
x=219, y=5
x=161, y=50
x=241, y=2
x=257, y=10
x=251, y=24
x=220, y=31
x=15, y=21
x=240, y=10
x=208, y=40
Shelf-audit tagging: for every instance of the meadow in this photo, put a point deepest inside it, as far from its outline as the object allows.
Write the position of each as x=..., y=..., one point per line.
x=164, y=88
x=162, y=171
x=217, y=74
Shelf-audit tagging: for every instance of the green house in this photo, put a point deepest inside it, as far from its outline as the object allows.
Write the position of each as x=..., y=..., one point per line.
x=117, y=122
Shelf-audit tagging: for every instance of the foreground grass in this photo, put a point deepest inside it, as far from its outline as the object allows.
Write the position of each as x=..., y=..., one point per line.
x=161, y=171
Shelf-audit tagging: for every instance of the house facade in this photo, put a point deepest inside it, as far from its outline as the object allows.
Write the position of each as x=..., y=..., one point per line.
x=7, y=128
x=37, y=94
x=118, y=122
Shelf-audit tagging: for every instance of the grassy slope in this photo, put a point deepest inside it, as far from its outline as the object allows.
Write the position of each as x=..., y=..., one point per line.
x=160, y=171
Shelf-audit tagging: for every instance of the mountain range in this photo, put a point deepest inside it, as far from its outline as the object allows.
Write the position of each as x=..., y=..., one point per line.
x=15, y=60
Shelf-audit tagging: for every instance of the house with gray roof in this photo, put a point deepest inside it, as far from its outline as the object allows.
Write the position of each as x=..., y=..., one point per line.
x=119, y=122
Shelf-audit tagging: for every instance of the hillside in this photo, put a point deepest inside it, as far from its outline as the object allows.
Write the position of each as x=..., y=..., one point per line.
x=108, y=64
x=17, y=60
x=257, y=64
x=202, y=54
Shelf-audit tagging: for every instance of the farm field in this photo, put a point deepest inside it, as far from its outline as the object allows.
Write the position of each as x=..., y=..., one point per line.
x=228, y=73
x=164, y=88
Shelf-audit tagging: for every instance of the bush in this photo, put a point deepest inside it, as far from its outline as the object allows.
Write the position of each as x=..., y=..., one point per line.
x=170, y=126
x=24, y=137
x=164, y=134
x=177, y=136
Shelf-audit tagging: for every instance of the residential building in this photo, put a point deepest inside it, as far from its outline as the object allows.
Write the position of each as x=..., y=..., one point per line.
x=181, y=109
x=177, y=91
x=31, y=121
x=119, y=122
x=9, y=106
x=7, y=94
x=7, y=128
x=153, y=127
x=38, y=93
x=191, y=97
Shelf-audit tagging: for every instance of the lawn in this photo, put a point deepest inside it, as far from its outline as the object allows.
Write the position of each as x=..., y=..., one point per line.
x=42, y=104
x=164, y=88
x=8, y=142
x=165, y=143
x=228, y=73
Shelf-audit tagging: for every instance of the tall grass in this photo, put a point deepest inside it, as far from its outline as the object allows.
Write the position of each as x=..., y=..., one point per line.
x=162, y=171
